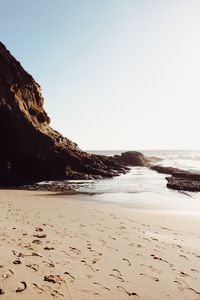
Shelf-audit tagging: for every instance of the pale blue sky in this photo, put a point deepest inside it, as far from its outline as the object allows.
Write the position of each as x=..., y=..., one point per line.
x=115, y=74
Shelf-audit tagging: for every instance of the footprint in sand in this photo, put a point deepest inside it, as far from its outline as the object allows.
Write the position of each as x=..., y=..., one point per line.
x=28, y=246
x=103, y=242
x=112, y=238
x=54, y=292
x=75, y=250
x=101, y=285
x=176, y=245
x=7, y=274
x=183, y=274
x=149, y=276
x=53, y=278
x=117, y=277
x=49, y=248
x=128, y=261
x=159, y=258
x=34, y=267
x=135, y=295
x=88, y=265
x=22, y=287
x=2, y=292
x=20, y=254
x=183, y=256
x=118, y=272
x=180, y=284
x=17, y=262
x=39, y=229
x=40, y=235
x=193, y=290
x=72, y=278
x=37, y=242
x=39, y=289
x=194, y=270
x=35, y=254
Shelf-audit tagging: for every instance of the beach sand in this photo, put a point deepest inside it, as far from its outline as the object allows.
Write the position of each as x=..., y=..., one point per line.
x=65, y=247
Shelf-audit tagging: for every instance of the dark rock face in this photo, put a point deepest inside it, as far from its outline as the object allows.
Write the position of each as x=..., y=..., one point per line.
x=132, y=158
x=183, y=184
x=30, y=149
x=184, y=181
x=164, y=170
x=179, y=180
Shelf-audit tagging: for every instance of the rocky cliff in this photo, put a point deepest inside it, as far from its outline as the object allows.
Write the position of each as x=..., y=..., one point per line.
x=30, y=149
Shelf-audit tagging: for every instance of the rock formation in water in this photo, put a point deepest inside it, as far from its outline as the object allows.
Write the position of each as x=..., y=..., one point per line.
x=184, y=181
x=180, y=180
x=30, y=149
x=163, y=169
x=132, y=158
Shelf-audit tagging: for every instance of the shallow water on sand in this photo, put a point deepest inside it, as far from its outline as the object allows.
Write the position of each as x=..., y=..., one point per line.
x=140, y=188
x=143, y=188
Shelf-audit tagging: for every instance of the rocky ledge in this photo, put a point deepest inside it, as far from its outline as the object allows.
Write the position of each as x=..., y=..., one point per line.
x=184, y=181
x=30, y=149
x=132, y=158
x=179, y=180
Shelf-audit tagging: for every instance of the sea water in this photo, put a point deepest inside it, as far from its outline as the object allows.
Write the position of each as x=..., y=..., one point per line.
x=143, y=188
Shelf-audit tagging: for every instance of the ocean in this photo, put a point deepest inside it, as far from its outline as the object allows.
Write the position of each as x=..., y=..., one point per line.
x=142, y=188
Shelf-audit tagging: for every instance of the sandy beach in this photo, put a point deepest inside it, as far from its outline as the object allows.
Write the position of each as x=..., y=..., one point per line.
x=66, y=247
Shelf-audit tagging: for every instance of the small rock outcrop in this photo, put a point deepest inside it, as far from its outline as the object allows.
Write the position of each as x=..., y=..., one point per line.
x=180, y=180
x=132, y=158
x=164, y=170
x=185, y=181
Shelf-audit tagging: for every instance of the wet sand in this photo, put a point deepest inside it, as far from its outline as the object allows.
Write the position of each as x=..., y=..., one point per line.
x=65, y=247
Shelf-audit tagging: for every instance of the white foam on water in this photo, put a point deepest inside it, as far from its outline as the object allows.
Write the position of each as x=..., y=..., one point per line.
x=143, y=188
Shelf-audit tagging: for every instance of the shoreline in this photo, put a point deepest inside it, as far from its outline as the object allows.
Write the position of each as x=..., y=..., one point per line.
x=65, y=247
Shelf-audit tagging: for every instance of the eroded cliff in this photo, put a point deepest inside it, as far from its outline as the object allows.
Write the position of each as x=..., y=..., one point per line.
x=30, y=149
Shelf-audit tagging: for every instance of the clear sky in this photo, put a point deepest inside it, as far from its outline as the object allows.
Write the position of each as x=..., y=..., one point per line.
x=115, y=74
